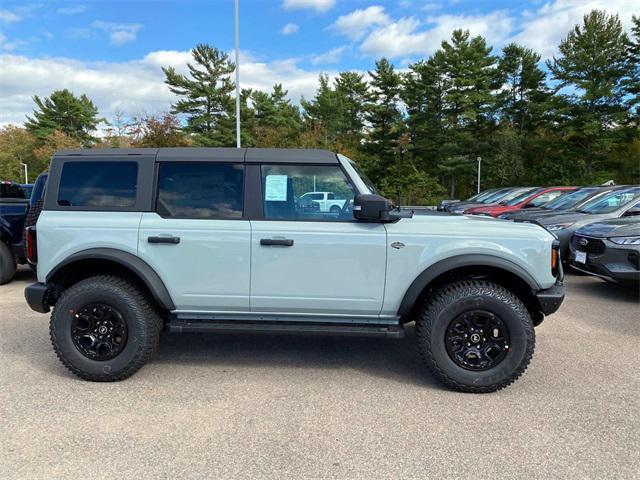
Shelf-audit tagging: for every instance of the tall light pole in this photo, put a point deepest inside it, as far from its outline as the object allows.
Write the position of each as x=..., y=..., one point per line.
x=479, y=163
x=237, y=80
x=26, y=172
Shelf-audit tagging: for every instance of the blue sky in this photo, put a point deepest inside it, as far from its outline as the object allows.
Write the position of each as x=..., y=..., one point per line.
x=113, y=50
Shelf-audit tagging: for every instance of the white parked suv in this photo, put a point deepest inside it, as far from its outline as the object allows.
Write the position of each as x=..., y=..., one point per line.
x=327, y=201
x=134, y=242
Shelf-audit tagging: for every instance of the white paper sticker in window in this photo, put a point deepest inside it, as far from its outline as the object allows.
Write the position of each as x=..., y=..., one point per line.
x=276, y=188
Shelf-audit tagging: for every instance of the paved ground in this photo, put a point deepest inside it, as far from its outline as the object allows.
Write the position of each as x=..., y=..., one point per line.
x=306, y=407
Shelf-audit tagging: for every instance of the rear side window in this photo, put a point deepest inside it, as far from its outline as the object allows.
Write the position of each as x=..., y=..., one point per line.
x=98, y=184
x=11, y=190
x=200, y=190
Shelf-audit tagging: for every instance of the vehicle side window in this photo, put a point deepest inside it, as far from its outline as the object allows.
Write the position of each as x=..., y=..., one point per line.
x=200, y=190
x=290, y=192
x=98, y=184
x=11, y=190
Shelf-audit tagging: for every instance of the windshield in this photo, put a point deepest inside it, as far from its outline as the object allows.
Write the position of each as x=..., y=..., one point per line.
x=568, y=200
x=478, y=197
x=495, y=196
x=519, y=198
x=515, y=193
x=611, y=202
x=368, y=183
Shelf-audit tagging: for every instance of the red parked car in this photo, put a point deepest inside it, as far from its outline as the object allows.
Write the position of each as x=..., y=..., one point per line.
x=530, y=199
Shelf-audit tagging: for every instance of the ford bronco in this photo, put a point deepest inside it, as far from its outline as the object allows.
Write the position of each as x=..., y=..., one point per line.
x=134, y=242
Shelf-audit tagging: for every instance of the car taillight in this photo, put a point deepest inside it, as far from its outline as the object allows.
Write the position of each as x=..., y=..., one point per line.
x=555, y=258
x=32, y=245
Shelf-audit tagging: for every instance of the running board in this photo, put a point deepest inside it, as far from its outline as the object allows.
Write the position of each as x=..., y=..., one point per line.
x=310, y=328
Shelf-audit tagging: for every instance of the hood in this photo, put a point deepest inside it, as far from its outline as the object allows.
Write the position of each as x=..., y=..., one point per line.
x=467, y=226
x=619, y=227
x=569, y=217
x=464, y=205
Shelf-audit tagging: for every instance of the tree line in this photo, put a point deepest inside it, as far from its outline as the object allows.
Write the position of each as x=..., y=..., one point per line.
x=573, y=119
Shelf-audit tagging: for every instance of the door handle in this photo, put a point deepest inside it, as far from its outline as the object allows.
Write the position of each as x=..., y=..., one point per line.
x=276, y=241
x=170, y=240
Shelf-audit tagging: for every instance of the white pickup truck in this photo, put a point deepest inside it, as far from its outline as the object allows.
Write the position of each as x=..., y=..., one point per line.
x=327, y=201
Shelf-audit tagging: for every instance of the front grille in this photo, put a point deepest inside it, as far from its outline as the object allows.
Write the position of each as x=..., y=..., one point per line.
x=586, y=244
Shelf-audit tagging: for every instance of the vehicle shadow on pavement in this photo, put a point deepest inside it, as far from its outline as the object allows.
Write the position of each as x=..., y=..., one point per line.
x=391, y=359
x=606, y=290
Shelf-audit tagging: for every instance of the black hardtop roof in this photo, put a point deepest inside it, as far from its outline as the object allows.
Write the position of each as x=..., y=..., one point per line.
x=194, y=154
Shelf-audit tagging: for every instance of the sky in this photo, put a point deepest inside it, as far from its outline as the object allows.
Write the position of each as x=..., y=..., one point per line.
x=113, y=51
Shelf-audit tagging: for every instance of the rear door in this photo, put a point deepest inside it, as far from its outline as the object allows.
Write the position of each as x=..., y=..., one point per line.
x=314, y=262
x=197, y=240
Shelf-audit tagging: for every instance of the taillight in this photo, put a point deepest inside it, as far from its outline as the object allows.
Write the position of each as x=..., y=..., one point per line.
x=32, y=245
x=555, y=258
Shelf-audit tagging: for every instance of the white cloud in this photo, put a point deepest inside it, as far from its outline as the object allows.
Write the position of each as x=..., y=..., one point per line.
x=289, y=29
x=119, y=33
x=317, y=5
x=355, y=24
x=133, y=87
x=407, y=36
x=9, y=17
x=543, y=29
x=332, y=56
x=72, y=10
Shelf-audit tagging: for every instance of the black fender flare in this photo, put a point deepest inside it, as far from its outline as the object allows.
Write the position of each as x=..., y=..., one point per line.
x=138, y=266
x=473, y=260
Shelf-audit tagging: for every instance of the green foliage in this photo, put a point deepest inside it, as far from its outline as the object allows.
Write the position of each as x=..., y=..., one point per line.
x=16, y=147
x=205, y=99
x=419, y=132
x=76, y=117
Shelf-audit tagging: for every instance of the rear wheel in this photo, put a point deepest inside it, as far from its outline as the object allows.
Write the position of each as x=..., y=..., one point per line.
x=335, y=209
x=104, y=328
x=7, y=263
x=475, y=336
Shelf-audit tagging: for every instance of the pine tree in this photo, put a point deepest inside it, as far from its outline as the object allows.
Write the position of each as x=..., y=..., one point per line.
x=351, y=94
x=205, y=96
x=277, y=121
x=384, y=118
x=594, y=64
x=76, y=117
x=322, y=113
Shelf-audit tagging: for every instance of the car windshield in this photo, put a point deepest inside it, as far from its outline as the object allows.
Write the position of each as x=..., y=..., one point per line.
x=611, y=202
x=517, y=196
x=478, y=197
x=496, y=196
x=363, y=176
x=568, y=200
x=520, y=198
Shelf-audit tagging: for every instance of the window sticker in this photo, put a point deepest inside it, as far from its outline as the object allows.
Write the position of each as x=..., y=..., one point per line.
x=276, y=188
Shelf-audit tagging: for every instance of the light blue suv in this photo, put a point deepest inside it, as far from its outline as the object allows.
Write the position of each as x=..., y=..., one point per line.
x=133, y=242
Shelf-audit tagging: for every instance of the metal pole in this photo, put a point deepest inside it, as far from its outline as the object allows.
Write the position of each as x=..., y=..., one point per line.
x=26, y=172
x=479, y=163
x=237, y=80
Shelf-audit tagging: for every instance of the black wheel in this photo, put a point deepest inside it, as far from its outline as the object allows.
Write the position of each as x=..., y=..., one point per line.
x=7, y=263
x=104, y=328
x=475, y=336
x=335, y=209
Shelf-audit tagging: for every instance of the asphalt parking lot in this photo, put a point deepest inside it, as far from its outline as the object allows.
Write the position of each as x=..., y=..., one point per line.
x=231, y=406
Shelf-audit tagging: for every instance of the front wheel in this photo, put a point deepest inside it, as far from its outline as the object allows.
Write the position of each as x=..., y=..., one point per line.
x=475, y=336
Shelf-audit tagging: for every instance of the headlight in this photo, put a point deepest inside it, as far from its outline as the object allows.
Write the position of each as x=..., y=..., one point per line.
x=626, y=240
x=558, y=226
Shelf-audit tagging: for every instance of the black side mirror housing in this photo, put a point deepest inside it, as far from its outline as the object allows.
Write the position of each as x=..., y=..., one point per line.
x=372, y=208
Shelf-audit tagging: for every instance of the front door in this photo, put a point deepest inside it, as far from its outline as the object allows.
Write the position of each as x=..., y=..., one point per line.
x=305, y=260
x=197, y=240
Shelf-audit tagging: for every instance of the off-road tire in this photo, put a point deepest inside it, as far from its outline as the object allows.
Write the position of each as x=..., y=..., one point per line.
x=7, y=263
x=450, y=301
x=141, y=315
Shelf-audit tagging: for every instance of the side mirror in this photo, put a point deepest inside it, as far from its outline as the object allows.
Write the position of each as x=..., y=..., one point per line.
x=372, y=208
